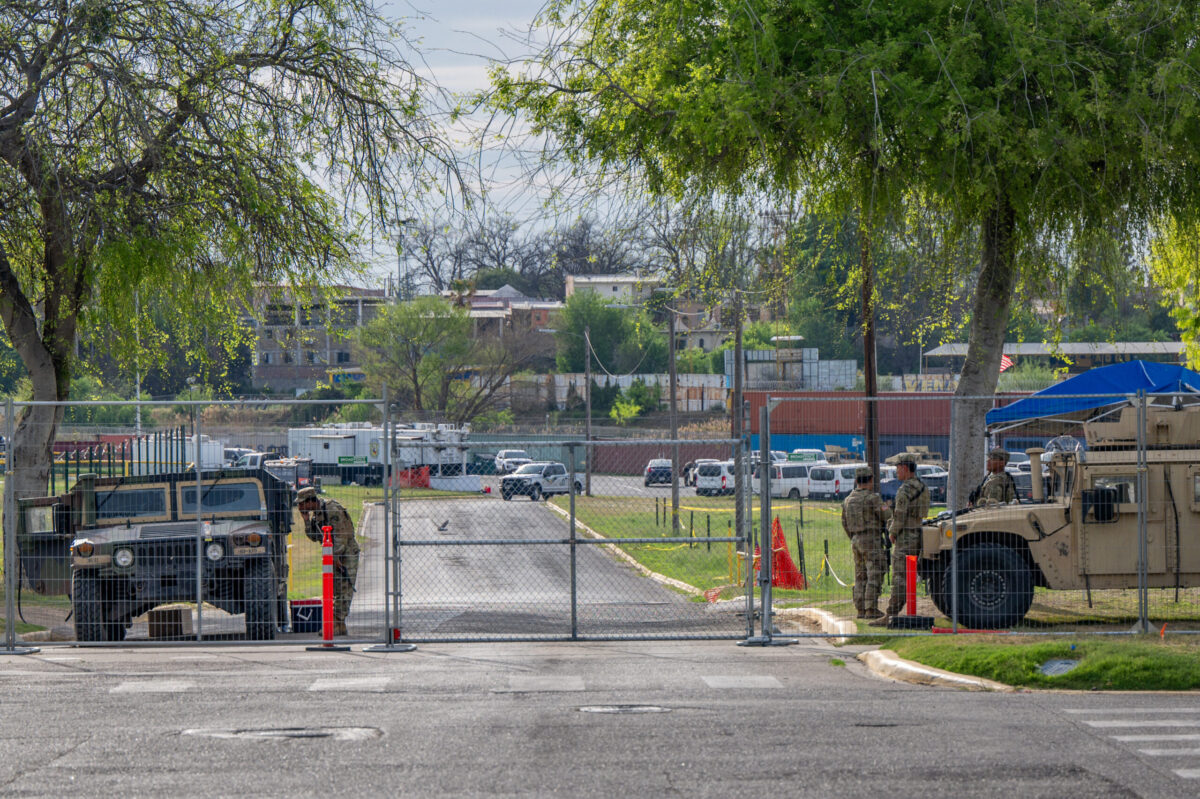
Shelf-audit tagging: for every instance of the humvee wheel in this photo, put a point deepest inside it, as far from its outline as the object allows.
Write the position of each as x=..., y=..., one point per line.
x=258, y=586
x=938, y=585
x=995, y=587
x=87, y=606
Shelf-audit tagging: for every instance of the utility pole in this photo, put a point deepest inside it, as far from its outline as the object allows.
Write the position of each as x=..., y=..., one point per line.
x=674, y=384
x=587, y=394
x=738, y=453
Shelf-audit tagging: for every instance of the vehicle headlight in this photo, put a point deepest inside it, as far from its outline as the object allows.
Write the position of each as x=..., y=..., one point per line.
x=254, y=539
x=84, y=549
x=214, y=551
x=123, y=557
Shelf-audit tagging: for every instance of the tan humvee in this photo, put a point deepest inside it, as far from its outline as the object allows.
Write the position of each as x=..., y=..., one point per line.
x=1080, y=530
x=922, y=454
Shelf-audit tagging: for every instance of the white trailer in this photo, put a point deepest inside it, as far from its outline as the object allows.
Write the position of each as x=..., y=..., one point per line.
x=354, y=452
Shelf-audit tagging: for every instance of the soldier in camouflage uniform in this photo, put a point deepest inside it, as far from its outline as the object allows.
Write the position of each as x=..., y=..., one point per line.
x=864, y=518
x=998, y=486
x=911, y=508
x=317, y=513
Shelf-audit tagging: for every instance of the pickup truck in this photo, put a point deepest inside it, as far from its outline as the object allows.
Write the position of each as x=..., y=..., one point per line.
x=537, y=480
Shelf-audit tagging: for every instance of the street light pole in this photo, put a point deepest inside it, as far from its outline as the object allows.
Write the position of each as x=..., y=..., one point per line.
x=587, y=393
x=674, y=384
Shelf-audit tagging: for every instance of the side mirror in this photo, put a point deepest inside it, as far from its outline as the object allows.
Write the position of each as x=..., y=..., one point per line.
x=62, y=521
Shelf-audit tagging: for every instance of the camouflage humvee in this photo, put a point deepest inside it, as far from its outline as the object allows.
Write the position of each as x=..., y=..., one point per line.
x=120, y=546
x=1080, y=529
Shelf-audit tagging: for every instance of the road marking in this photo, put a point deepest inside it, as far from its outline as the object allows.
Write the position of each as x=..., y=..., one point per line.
x=1138, y=710
x=1169, y=752
x=153, y=687
x=1148, y=738
x=743, y=681
x=368, y=684
x=1156, y=723
x=527, y=683
x=1188, y=773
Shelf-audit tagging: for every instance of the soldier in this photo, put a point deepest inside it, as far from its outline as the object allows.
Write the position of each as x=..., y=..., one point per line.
x=998, y=485
x=317, y=513
x=864, y=518
x=911, y=507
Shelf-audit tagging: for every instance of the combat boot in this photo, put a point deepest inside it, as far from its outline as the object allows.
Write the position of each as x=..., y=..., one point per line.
x=339, y=627
x=882, y=621
x=872, y=613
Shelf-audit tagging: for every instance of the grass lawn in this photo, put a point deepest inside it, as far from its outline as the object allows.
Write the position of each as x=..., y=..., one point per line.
x=1127, y=663
x=815, y=525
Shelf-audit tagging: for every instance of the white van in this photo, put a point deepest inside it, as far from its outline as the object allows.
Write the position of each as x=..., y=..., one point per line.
x=713, y=479
x=832, y=481
x=787, y=480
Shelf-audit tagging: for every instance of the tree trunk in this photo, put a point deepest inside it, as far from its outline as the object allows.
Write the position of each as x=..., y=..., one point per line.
x=981, y=370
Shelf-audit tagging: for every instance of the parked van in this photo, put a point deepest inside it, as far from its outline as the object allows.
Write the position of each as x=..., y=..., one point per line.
x=713, y=479
x=832, y=481
x=787, y=480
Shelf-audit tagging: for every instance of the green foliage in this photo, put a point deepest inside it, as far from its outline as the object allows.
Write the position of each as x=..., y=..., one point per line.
x=693, y=361
x=498, y=277
x=624, y=410
x=647, y=398
x=1027, y=376
x=604, y=398
x=303, y=415
x=11, y=368
x=623, y=340
x=91, y=389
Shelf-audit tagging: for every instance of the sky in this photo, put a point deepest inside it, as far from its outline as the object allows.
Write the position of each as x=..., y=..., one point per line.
x=457, y=41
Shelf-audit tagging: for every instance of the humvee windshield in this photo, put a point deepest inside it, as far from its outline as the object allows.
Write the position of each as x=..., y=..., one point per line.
x=223, y=499
x=132, y=502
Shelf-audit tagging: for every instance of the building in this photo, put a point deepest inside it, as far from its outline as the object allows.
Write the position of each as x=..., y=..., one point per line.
x=1076, y=357
x=621, y=289
x=499, y=312
x=300, y=343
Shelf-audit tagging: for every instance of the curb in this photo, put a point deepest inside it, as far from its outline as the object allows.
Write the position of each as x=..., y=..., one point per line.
x=822, y=618
x=887, y=663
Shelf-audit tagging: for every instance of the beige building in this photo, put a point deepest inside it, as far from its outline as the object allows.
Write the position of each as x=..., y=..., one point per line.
x=621, y=289
x=300, y=343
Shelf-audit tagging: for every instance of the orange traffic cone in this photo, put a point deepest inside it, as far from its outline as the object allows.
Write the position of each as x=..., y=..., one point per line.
x=784, y=573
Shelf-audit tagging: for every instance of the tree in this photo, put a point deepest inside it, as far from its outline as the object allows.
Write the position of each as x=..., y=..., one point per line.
x=1018, y=120
x=186, y=150
x=424, y=352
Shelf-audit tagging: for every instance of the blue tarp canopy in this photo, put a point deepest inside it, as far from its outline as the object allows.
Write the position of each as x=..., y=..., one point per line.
x=1108, y=385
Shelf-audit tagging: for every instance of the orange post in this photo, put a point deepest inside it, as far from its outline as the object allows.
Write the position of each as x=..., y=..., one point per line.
x=327, y=583
x=910, y=584
x=327, y=594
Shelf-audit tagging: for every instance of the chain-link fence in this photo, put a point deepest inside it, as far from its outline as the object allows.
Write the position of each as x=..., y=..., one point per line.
x=1076, y=513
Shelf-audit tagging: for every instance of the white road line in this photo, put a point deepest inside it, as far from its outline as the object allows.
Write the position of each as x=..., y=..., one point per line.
x=367, y=684
x=1187, y=736
x=1170, y=752
x=1114, y=711
x=1156, y=723
x=1188, y=773
x=153, y=687
x=529, y=683
x=743, y=681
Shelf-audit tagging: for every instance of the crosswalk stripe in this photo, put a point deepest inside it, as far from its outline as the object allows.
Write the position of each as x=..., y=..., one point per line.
x=532, y=683
x=350, y=684
x=153, y=687
x=1155, y=723
x=1186, y=736
x=1188, y=773
x=1169, y=752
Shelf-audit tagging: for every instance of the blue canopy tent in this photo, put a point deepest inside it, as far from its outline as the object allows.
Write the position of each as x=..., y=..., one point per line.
x=1097, y=389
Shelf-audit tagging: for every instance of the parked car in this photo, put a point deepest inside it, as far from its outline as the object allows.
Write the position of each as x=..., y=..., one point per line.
x=715, y=478
x=537, y=480
x=787, y=480
x=832, y=481
x=507, y=460
x=253, y=460
x=233, y=454
x=1017, y=462
x=689, y=469
x=658, y=470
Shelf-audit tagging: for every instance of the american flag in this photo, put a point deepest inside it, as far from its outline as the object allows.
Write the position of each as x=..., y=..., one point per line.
x=1005, y=362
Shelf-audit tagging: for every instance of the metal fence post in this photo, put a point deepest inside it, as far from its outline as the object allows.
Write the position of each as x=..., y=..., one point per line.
x=952, y=492
x=766, y=539
x=391, y=545
x=1143, y=622
x=573, y=545
x=10, y=541
x=199, y=461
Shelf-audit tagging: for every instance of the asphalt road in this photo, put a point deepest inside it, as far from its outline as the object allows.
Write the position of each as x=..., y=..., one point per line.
x=703, y=719
x=481, y=567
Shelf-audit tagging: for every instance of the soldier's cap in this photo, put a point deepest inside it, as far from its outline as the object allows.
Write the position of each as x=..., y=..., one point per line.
x=306, y=494
x=907, y=457
x=863, y=471
x=998, y=454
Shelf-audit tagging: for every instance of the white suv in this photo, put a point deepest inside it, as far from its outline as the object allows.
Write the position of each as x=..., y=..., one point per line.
x=832, y=481
x=507, y=460
x=715, y=478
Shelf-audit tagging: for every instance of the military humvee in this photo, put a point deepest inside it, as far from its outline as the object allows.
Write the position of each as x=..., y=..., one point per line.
x=1080, y=529
x=120, y=546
